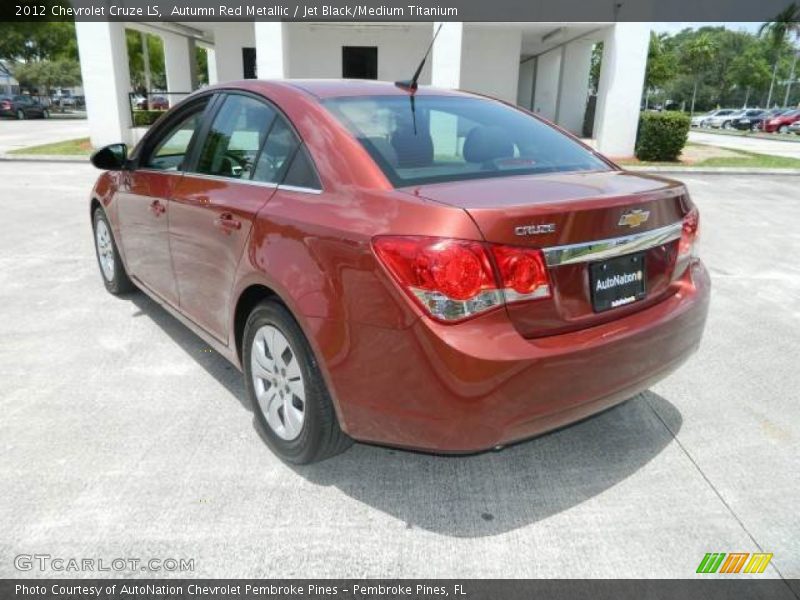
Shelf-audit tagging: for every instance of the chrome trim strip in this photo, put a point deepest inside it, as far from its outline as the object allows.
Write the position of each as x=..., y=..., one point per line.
x=297, y=188
x=266, y=184
x=603, y=249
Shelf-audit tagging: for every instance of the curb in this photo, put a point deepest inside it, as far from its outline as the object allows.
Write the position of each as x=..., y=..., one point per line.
x=714, y=170
x=43, y=158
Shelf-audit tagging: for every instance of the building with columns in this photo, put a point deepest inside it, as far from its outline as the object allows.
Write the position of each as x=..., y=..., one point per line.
x=543, y=67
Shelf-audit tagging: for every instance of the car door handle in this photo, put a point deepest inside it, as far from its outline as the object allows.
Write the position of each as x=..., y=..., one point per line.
x=157, y=208
x=226, y=222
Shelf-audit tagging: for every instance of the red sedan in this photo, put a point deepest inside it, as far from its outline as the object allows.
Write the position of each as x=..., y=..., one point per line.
x=780, y=123
x=426, y=269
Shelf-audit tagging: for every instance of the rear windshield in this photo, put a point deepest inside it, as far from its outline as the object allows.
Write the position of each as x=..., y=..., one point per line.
x=445, y=138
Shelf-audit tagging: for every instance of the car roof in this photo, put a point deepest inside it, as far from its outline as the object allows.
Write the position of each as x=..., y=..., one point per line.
x=334, y=88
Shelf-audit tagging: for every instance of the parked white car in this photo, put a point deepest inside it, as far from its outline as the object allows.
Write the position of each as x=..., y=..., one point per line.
x=724, y=119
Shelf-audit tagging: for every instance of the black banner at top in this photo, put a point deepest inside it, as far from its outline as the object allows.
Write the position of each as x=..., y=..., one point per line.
x=393, y=10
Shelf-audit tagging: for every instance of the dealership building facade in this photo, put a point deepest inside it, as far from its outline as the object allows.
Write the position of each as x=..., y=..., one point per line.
x=543, y=67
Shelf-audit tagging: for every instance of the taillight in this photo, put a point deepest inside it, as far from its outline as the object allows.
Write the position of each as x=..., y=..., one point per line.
x=454, y=279
x=687, y=247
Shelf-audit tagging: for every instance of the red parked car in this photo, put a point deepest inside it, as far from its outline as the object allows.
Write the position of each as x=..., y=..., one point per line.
x=425, y=269
x=780, y=123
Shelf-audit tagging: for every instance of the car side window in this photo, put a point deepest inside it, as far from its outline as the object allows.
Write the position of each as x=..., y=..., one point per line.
x=277, y=152
x=301, y=172
x=170, y=150
x=235, y=137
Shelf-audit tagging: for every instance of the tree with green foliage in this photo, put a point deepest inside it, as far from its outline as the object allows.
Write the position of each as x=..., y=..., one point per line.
x=777, y=32
x=696, y=58
x=750, y=70
x=43, y=75
x=661, y=65
x=37, y=40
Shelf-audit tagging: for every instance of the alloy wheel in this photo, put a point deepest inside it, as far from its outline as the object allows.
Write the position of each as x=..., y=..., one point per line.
x=105, y=249
x=278, y=382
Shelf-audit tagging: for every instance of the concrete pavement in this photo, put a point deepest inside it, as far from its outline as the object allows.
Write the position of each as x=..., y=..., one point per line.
x=122, y=435
x=776, y=147
x=34, y=132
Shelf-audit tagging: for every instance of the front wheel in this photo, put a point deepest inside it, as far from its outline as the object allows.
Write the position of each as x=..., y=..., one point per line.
x=20, y=114
x=45, y=114
x=783, y=129
x=726, y=125
x=287, y=391
x=112, y=270
x=754, y=127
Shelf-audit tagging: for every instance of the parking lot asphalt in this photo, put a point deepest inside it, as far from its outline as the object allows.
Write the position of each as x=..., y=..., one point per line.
x=16, y=134
x=123, y=436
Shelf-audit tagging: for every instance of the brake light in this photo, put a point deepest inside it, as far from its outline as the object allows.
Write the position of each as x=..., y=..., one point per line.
x=523, y=274
x=455, y=279
x=687, y=247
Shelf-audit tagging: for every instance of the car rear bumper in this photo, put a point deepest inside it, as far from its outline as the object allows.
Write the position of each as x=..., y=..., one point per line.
x=467, y=388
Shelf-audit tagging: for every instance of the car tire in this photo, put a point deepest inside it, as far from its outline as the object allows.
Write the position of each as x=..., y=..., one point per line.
x=783, y=129
x=20, y=115
x=45, y=114
x=112, y=270
x=754, y=127
x=726, y=125
x=279, y=367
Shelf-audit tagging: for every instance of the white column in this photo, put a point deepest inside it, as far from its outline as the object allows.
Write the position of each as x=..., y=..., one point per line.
x=271, y=42
x=446, y=59
x=106, y=80
x=548, y=78
x=575, y=66
x=620, y=91
x=228, y=43
x=211, y=61
x=179, y=63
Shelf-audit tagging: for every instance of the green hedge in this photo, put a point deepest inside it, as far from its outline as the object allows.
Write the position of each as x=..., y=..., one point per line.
x=662, y=135
x=145, y=118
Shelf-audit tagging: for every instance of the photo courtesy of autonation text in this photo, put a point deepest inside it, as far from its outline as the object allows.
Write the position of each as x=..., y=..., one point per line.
x=406, y=300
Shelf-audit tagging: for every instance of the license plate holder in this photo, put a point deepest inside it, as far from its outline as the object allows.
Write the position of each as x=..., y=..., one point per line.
x=618, y=281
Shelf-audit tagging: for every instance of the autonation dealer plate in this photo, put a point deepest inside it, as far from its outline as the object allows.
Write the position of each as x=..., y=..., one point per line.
x=617, y=281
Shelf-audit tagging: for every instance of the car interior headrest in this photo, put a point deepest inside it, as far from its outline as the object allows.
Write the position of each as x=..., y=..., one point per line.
x=412, y=149
x=487, y=143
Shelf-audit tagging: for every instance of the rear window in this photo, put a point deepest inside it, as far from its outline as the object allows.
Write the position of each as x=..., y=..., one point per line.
x=444, y=138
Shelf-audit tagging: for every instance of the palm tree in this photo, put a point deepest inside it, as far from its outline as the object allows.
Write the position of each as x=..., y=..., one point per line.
x=696, y=57
x=776, y=32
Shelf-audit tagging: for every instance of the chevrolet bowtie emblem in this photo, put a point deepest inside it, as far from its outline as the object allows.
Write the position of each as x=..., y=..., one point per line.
x=634, y=218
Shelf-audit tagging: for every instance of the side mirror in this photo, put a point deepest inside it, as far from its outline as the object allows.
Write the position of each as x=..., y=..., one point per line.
x=110, y=158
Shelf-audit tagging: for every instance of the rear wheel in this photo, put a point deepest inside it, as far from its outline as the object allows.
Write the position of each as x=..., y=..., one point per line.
x=112, y=270
x=754, y=127
x=286, y=388
x=783, y=129
x=45, y=114
x=20, y=114
x=726, y=125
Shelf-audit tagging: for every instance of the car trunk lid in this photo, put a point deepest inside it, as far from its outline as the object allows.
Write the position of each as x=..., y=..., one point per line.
x=572, y=216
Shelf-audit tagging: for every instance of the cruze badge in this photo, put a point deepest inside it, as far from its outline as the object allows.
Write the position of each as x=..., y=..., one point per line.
x=634, y=218
x=535, y=229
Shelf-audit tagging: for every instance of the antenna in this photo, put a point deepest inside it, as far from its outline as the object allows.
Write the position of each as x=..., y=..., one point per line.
x=411, y=85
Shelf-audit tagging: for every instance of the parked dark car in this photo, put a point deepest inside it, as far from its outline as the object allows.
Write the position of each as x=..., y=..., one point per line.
x=379, y=275
x=22, y=107
x=750, y=119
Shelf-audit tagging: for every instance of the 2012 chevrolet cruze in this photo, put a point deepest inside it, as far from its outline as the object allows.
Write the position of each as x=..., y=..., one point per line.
x=421, y=268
